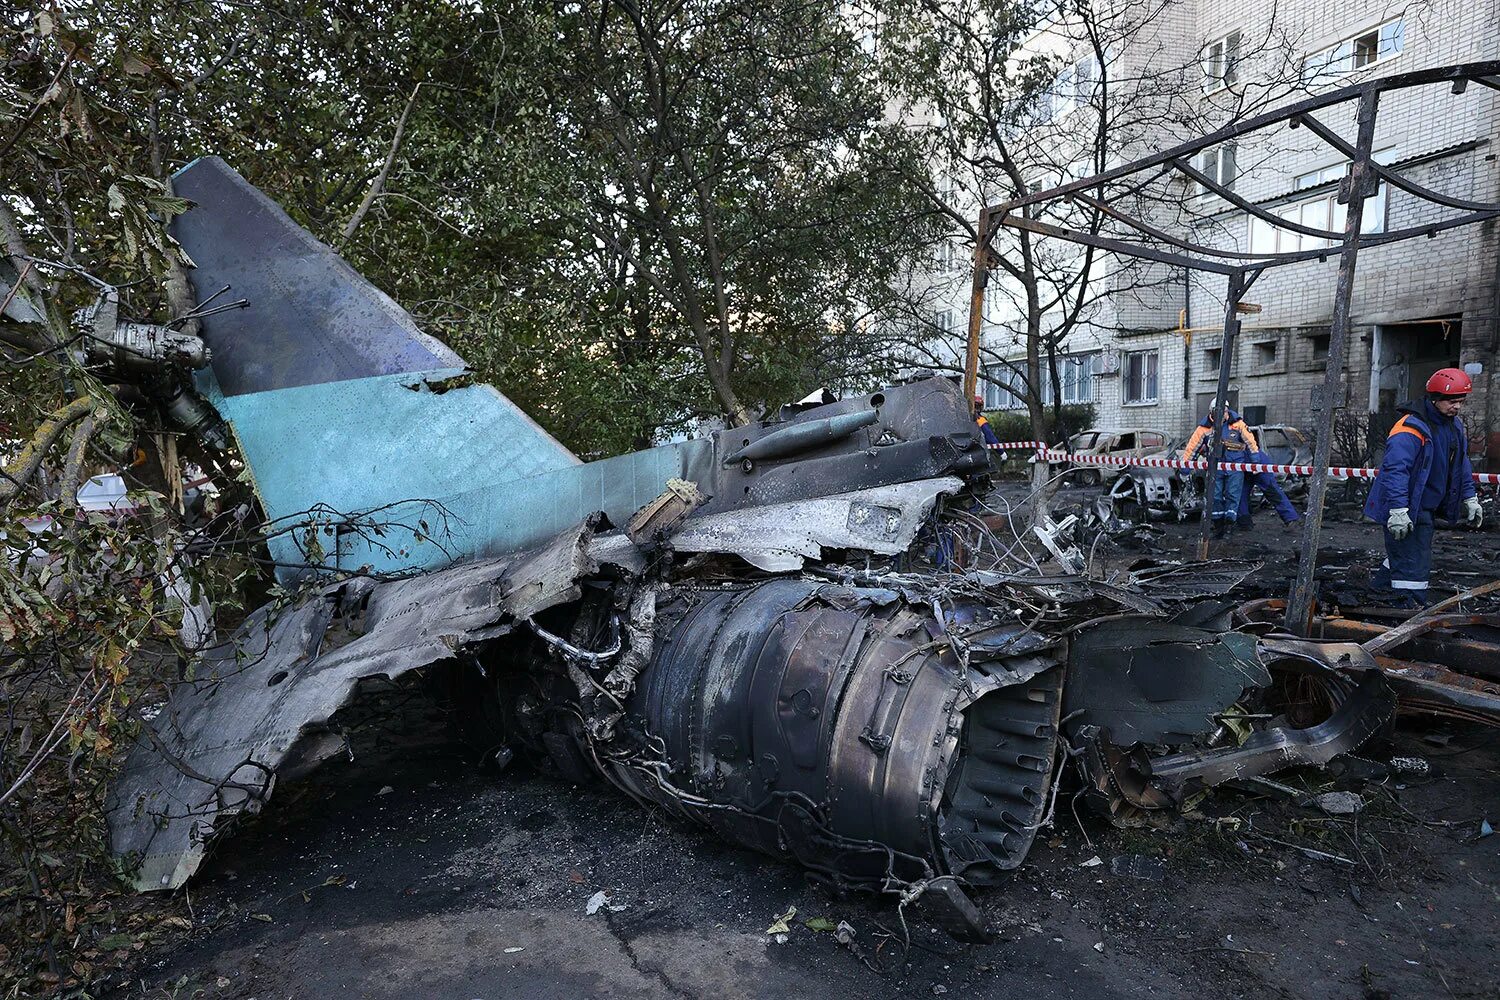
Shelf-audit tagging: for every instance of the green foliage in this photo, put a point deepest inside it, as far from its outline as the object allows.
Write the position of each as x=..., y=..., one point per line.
x=626, y=217
x=1015, y=425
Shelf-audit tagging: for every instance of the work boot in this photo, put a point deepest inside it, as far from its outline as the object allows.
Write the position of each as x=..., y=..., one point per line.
x=1221, y=530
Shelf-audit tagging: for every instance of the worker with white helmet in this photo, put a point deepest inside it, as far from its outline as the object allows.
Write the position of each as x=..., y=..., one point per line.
x=1227, y=487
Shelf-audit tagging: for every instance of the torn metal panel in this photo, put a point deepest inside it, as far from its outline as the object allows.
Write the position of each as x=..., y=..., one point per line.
x=1186, y=581
x=780, y=537
x=263, y=700
x=1363, y=711
x=1438, y=663
x=1126, y=778
x=1147, y=681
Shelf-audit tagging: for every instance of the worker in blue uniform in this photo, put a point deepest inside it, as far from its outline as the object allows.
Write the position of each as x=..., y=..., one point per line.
x=986, y=432
x=1227, y=487
x=1270, y=489
x=1425, y=474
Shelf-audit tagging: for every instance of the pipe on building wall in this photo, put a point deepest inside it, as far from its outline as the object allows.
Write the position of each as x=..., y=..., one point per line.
x=1187, y=338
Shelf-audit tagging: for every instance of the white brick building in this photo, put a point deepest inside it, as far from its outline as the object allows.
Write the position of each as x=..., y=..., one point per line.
x=1417, y=305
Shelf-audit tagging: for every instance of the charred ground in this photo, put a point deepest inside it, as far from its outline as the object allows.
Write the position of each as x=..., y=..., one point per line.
x=408, y=872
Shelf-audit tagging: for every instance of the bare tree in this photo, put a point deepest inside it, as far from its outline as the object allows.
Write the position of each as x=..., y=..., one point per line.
x=1010, y=99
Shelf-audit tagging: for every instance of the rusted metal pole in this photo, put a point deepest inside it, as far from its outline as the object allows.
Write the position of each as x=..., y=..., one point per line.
x=976, y=302
x=1360, y=183
x=1221, y=397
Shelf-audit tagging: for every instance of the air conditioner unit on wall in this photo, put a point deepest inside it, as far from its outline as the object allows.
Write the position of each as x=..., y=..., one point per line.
x=1109, y=361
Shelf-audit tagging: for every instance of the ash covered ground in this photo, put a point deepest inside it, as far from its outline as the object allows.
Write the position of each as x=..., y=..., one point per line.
x=408, y=872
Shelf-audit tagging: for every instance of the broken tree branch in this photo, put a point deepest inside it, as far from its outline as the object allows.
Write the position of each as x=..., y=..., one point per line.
x=19, y=472
x=37, y=106
x=378, y=184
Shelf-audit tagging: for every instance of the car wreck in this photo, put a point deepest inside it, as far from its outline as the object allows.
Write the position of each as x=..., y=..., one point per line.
x=740, y=630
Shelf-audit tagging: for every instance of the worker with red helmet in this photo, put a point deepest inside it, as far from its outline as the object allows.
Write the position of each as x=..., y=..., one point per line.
x=986, y=432
x=1425, y=473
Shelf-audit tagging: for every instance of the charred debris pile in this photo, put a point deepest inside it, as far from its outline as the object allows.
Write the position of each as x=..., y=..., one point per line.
x=816, y=636
x=893, y=726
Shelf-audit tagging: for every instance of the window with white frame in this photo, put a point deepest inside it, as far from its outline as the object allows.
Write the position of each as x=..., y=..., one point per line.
x=1075, y=86
x=1075, y=377
x=1321, y=211
x=1221, y=62
x=947, y=190
x=1002, y=388
x=946, y=257
x=943, y=320
x=1140, y=375
x=1367, y=48
x=1217, y=162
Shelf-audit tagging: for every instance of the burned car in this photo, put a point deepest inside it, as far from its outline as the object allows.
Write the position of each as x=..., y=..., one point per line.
x=1283, y=444
x=1146, y=493
x=731, y=629
x=1118, y=443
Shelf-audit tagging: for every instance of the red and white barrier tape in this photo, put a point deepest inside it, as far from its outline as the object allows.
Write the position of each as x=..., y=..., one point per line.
x=1337, y=472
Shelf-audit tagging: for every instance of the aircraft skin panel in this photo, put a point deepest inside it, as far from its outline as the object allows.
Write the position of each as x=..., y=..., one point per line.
x=312, y=318
x=335, y=396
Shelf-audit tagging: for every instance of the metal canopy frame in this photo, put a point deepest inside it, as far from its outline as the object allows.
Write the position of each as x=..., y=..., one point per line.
x=1241, y=269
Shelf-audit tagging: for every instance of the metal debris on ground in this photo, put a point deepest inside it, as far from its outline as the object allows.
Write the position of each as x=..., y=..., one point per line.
x=601, y=900
x=1339, y=803
x=1138, y=866
x=762, y=652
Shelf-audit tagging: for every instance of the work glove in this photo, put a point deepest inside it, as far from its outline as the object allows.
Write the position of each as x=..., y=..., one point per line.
x=1473, y=513
x=1398, y=523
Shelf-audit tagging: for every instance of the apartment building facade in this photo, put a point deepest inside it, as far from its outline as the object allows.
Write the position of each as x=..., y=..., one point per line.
x=1149, y=354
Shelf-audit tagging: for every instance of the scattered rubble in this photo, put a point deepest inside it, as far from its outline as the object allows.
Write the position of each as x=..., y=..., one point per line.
x=757, y=653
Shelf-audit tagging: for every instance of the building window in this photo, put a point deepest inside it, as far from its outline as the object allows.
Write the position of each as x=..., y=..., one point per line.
x=1141, y=369
x=1002, y=388
x=947, y=259
x=1265, y=354
x=1077, y=376
x=1212, y=358
x=1364, y=49
x=1322, y=211
x=1218, y=163
x=947, y=189
x=1320, y=342
x=1221, y=62
x=943, y=320
x=1076, y=85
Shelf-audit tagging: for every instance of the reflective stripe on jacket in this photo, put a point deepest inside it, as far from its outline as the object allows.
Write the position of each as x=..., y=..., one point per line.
x=1410, y=449
x=1237, y=438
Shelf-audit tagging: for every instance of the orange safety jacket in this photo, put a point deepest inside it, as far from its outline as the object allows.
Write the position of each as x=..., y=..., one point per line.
x=1237, y=437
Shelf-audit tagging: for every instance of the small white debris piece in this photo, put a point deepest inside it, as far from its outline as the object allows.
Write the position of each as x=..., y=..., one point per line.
x=1339, y=803
x=601, y=900
x=783, y=923
x=385, y=790
x=512, y=951
x=938, y=989
x=1099, y=946
x=1093, y=862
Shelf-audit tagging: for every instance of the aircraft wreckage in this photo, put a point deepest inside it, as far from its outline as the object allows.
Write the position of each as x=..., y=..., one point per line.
x=733, y=629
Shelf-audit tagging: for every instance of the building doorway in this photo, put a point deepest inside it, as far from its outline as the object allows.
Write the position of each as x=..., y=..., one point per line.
x=1403, y=357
